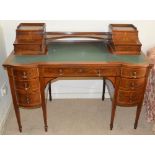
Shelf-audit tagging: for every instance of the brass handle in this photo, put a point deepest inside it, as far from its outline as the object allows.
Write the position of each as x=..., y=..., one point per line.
x=80, y=70
x=27, y=100
x=131, y=98
x=99, y=73
x=60, y=71
x=132, y=85
x=134, y=75
x=26, y=86
x=24, y=75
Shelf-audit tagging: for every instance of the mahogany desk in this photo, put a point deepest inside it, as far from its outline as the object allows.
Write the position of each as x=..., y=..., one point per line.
x=29, y=75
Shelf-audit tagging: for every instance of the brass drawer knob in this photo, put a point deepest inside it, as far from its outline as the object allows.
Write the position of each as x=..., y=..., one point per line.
x=134, y=75
x=24, y=75
x=99, y=72
x=60, y=72
x=131, y=98
x=80, y=70
x=27, y=100
x=26, y=86
x=132, y=85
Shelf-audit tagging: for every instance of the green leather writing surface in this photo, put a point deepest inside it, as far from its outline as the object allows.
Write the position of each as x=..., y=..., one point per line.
x=77, y=52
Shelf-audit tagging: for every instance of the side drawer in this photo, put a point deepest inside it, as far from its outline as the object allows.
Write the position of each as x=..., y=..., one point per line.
x=132, y=72
x=27, y=47
x=27, y=85
x=131, y=48
x=22, y=73
x=125, y=37
x=131, y=84
x=127, y=98
x=30, y=38
x=28, y=99
x=78, y=72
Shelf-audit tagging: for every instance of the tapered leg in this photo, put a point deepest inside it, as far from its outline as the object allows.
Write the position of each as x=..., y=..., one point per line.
x=112, y=115
x=44, y=114
x=103, y=92
x=16, y=108
x=50, y=92
x=43, y=104
x=139, y=107
x=18, y=118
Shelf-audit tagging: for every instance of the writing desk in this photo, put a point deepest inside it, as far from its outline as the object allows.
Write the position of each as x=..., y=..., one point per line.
x=29, y=75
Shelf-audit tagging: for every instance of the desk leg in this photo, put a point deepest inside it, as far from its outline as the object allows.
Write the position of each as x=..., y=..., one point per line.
x=16, y=108
x=103, y=92
x=50, y=92
x=112, y=115
x=43, y=103
x=18, y=117
x=139, y=107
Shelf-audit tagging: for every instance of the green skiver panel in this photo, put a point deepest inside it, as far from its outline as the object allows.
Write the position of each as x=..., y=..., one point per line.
x=77, y=52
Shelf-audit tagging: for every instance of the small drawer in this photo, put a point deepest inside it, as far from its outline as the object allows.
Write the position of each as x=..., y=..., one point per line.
x=64, y=72
x=79, y=72
x=30, y=38
x=25, y=73
x=133, y=72
x=128, y=98
x=27, y=85
x=28, y=99
x=127, y=47
x=27, y=48
x=30, y=32
x=131, y=84
x=125, y=37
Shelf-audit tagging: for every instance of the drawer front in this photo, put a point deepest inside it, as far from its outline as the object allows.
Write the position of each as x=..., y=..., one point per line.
x=129, y=97
x=25, y=73
x=131, y=84
x=28, y=99
x=27, y=48
x=27, y=85
x=125, y=37
x=30, y=38
x=133, y=72
x=79, y=72
x=127, y=48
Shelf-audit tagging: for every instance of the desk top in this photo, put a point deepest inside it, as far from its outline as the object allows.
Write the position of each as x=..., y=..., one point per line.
x=76, y=53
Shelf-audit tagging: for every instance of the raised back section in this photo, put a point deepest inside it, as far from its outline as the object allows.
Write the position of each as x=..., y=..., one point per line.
x=77, y=36
x=30, y=39
x=124, y=39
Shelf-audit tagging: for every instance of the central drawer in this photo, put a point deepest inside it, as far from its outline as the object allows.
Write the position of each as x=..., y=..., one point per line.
x=78, y=72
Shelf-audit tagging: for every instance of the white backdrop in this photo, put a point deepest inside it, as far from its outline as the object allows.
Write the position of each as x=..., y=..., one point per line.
x=80, y=88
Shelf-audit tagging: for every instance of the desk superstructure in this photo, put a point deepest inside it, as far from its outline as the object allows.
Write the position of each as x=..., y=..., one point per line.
x=30, y=73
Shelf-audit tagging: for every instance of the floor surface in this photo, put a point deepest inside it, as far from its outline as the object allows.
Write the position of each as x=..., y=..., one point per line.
x=79, y=117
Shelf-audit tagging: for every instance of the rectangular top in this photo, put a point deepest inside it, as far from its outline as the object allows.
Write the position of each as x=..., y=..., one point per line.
x=123, y=27
x=76, y=53
x=31, y=27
